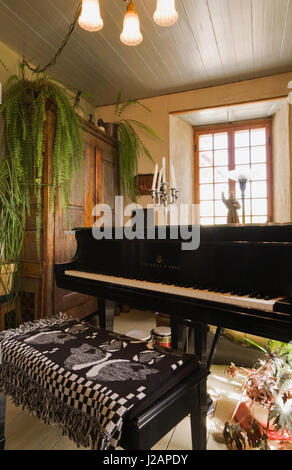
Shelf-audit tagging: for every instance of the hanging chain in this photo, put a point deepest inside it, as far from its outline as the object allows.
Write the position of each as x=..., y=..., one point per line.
x=60, y=50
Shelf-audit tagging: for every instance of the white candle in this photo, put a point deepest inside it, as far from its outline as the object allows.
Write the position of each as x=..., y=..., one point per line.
x=159, y=180
x=163, y=170
x=173, y=179
x=155, y=177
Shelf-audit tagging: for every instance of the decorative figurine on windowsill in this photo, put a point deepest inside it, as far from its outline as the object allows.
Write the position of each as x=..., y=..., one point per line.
x=233, y=206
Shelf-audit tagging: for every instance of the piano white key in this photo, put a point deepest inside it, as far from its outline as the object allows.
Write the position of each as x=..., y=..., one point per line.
x=240, y=301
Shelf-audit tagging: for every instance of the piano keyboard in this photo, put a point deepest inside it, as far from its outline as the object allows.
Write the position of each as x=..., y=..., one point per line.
x=240, y=301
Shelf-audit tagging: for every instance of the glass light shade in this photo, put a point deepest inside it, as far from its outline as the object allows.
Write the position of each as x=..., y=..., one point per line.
x=90, y=18
x=237, y=175
x=165, y=13
x=131, y=35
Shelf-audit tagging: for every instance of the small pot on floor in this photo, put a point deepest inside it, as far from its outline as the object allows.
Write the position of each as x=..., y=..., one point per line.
x=6, y=278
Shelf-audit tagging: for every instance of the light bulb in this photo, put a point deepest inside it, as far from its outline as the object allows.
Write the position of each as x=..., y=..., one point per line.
x=131, y=35
x=90, y=18
x=165, y=13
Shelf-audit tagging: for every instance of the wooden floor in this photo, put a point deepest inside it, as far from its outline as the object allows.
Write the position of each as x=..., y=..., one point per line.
x=26, y=432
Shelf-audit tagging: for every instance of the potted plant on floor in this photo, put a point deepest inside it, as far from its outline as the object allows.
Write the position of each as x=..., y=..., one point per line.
x=130, y=143
x=264, y=412
x=12, y=224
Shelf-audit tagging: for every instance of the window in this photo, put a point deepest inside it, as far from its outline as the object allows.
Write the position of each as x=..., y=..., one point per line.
x=222, y=149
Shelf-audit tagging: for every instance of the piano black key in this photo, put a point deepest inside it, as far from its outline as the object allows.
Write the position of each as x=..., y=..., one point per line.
x=242, y=293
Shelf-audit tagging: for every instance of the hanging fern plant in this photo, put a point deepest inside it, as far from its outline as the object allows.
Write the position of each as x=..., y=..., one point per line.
x=24, y=111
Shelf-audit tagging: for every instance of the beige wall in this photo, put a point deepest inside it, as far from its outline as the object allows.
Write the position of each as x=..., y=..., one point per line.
x=281, y=164
x=163, y=106
x=181, y=155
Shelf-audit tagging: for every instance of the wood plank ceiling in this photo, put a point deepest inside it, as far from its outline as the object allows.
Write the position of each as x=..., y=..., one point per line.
x=213, y=42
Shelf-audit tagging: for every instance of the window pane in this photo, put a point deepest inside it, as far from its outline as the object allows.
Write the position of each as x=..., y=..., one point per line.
x=207, y=221
x=259, y=172
x=206, y=175
x=259, y=189
x=221, y=141
x=207, y=209
x=259, y=219
x=220, y=157
x=220, y=209
x=206, y=142
x=249, y=151
x=221, y=174
x=221, y=188
x=242, y=156
x=258, y=137
x=259, y=207
x=241, y=139
x=206, y=192
x=258, y=155
x=206, y=159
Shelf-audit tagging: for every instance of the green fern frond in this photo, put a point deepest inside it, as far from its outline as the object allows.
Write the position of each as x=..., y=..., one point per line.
x=131, y=146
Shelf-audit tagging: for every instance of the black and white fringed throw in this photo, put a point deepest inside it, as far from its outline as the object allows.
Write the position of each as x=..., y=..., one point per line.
x=85, y=379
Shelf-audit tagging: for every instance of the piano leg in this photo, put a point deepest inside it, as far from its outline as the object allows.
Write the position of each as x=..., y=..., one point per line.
x=200, y=410
x=213, y=346
x=178, y=334
x=106, y=313
x=197, y=345
x=2, y=420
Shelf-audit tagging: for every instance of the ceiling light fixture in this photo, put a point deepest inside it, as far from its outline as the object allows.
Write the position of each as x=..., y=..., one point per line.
x=131, y=35
x=90, y=18
x=165, y=13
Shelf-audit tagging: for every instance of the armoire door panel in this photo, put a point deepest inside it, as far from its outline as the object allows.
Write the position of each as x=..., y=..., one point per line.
x=109, y=184
x=81, y=203
x=56, y=244
x=77, y=194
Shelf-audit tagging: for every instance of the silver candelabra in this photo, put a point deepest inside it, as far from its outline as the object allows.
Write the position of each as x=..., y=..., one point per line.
x=163, y=197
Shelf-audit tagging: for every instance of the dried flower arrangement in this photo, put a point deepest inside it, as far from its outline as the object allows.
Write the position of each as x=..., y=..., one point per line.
x=267, y=388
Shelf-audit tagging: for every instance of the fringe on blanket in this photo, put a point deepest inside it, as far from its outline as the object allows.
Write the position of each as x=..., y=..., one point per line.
x=34, y=325
x=79, y=427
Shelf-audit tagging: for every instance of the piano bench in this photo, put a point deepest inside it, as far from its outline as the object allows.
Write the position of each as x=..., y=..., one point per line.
x=142, y=430
x=103, y=389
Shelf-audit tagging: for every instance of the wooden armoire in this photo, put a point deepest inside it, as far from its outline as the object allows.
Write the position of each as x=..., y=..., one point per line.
x=97, y=182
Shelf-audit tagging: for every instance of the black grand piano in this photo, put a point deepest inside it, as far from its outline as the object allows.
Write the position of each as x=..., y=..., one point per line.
x=239, y=278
